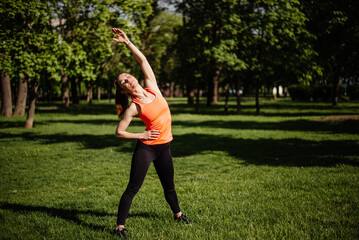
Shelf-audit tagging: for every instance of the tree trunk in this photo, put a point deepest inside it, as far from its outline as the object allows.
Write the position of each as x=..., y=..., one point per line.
x=210, y=91
x=74, y=93
x=89, y=93
x=226, y=101
x=215, y=90
x=32, y=101
x=99, y=93
x=189, y=94
x=238, y=97
x=257, y=99
x=197, y=99
x=65, y=96
x=6, y=95
x=80, y=90
x=21, y=98
x=0, y=99
x=336, y=90
x=172, y=89
x=109, y=94
x=215, y=87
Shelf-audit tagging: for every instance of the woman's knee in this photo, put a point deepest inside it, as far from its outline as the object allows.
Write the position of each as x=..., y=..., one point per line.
x=132, y=189
x=169, y=189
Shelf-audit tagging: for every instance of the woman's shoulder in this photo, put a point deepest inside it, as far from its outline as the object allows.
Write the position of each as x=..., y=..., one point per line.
x=134, y=109
x=154, y=91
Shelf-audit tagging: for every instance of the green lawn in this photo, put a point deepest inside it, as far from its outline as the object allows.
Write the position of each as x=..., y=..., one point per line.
x=278, y=175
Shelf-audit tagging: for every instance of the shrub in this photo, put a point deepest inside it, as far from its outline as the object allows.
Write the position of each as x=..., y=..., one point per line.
x=300, y=93
x=353, y=92
x=314, y=93
x=322, y=92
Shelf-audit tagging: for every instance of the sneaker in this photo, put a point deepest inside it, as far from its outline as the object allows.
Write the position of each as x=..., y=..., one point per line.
x=182, y=218
x=121, y=232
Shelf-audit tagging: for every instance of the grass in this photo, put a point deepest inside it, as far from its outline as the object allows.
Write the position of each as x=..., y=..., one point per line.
x=277, y=175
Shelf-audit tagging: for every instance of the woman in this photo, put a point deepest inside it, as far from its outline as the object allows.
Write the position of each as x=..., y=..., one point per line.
x=153, y=144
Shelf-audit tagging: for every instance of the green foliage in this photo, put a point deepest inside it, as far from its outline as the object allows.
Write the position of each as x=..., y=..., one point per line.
x=161, y=51
x=29, y=42
x=263, y=42
x=85, y=37
x=225, y=53
x=336, y=27
x=131, y=17
x=280, y=42
x=43, y=40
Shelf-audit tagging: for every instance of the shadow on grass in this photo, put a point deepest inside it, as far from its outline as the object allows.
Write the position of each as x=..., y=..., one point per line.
x=341, y=126
x=72, y=215
x=282, y=152
x=134, y=122
x=66, y=214
x=12, y=124
x=267, y=109
x=280, y=109
x=279, y=152
x=344, y=126
x=308, y=105
x=87, y=141
x=78, y=109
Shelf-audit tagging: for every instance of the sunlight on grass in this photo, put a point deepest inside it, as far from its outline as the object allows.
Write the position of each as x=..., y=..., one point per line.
x=277, y=175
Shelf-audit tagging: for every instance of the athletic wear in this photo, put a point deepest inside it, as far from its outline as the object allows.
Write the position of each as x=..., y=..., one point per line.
x=157, y=116
x=182, y=218
x=160, y=155
x=121, y=233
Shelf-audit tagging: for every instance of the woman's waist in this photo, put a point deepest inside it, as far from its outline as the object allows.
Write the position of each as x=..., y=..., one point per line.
x=164, y=137
x=158, y=125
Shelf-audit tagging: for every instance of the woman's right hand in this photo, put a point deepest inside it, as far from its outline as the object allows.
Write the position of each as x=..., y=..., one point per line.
x=120, y=36
x=150, y=135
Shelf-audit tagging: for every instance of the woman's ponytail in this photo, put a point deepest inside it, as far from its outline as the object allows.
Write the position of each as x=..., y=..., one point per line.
x=121, y=101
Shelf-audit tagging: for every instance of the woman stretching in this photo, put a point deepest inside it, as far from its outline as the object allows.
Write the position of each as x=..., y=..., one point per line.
x=154, y=143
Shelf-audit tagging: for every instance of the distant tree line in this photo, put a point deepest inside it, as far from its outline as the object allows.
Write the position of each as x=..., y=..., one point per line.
x=63, y=49
x=257, y=45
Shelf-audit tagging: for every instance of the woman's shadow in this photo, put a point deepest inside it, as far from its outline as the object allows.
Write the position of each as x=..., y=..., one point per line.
x=71, y=215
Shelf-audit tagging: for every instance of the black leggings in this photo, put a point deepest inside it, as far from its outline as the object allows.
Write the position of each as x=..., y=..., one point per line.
x=144, y=154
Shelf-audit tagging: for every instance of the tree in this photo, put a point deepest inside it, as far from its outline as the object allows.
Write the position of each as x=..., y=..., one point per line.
x=84, y=41
x=161, y=52
x=279, y=48
x=72, y=19
x=28, y=47
x=257, y=40
x=198, y=36
x=335, y=25
x=8, y=11
x=38, y=43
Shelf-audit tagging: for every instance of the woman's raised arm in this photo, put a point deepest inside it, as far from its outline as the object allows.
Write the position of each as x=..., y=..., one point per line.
x=150, y=79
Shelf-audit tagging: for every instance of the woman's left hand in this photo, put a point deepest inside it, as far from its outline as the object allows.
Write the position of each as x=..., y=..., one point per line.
x=151, y=134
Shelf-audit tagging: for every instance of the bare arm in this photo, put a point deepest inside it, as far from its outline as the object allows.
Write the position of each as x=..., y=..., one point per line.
x=125, y=122
x=150, y=78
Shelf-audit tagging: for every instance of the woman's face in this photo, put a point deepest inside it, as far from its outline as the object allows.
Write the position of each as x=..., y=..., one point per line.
x=127, y=82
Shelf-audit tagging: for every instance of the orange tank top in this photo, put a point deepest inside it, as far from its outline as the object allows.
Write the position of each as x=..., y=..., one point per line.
x=157, y=116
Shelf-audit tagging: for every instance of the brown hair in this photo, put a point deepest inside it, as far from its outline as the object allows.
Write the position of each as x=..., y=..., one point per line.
x=121, y=100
